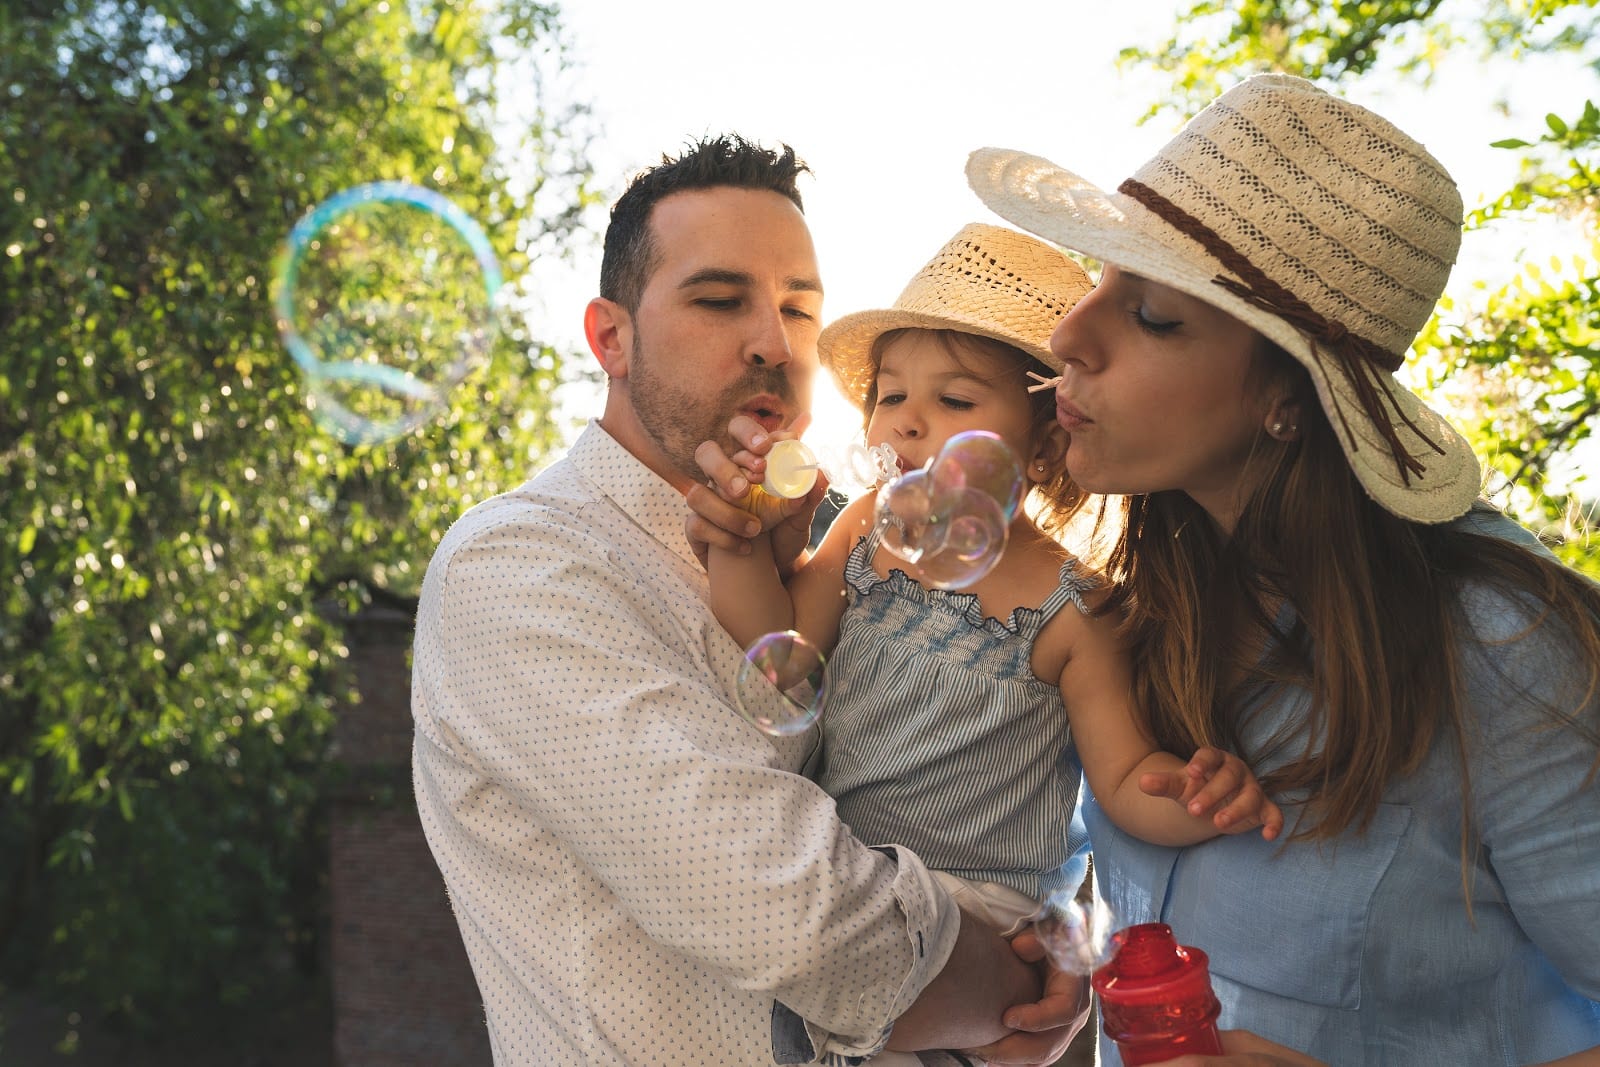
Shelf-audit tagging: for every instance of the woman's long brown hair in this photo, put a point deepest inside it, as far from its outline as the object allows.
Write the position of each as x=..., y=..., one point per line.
x=1380, y=631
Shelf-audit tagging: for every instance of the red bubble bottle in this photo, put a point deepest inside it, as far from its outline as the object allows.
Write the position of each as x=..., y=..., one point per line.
x=1155, y=997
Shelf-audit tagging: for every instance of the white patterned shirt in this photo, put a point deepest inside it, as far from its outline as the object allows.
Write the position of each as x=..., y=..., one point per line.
x=640, y=875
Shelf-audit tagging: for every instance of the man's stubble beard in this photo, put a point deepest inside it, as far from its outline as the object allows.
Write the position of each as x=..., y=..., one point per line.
x=679, y=421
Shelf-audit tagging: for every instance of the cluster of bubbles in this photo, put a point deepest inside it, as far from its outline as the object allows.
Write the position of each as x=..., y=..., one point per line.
x=949, y=521
x=1076, y=933
x=385, y=297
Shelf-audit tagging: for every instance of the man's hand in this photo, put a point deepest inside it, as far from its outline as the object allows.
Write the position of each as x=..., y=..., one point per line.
x=1045, y=1028
x=733, y=508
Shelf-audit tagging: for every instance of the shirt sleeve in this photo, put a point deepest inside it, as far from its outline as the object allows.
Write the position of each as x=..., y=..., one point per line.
x=564, y=684
x=1534, y=785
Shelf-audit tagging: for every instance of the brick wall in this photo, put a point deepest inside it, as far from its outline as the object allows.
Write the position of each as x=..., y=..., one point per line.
x=403, y=993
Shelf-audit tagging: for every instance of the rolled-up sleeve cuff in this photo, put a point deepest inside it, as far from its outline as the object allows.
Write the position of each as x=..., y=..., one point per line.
x=932, y=923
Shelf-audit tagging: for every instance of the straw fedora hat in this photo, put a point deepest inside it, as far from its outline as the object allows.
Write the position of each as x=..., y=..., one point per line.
x=1312, y=220
x=986, y=280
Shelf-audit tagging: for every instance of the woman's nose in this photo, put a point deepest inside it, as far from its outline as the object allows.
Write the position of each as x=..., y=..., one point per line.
x=1073, y=341
x=1060, y=340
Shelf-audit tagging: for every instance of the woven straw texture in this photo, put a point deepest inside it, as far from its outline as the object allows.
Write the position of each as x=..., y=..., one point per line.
x=1329, y=201
x=986, y=280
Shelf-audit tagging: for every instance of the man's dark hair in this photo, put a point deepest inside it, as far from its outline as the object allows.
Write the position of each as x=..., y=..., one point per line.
x=728, y=160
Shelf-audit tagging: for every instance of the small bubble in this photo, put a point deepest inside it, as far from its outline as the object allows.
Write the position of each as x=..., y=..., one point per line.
x=781, y=683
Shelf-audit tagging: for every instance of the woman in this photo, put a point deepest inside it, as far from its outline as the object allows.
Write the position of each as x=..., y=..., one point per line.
x=1311, y=581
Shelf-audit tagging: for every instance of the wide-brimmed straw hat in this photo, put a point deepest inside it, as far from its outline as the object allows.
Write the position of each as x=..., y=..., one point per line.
x=1312, y=220
x=986, y=280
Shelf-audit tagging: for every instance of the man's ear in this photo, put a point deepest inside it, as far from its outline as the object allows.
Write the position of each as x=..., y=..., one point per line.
x=609, y=330
x=1048, y=455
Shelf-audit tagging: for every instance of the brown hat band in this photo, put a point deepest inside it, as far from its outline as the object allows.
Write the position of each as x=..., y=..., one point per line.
x=1365, y=365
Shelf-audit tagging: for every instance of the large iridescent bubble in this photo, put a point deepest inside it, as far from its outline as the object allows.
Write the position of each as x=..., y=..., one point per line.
x=951, y=520
x=781, y=683
x=980, y=461
x=385, y=297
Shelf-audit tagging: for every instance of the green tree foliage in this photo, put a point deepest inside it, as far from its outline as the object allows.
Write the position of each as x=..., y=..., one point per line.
x=178, y=534
x=1520, y=366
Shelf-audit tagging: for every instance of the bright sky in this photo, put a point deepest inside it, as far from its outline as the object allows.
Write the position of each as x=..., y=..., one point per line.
x=885, y=99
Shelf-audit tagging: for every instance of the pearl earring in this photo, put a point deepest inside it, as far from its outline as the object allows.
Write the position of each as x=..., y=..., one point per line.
x=1276, y=428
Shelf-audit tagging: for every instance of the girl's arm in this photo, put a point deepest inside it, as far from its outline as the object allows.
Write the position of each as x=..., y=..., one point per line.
x=817, y=587
x=750, y=598
x=1214, y=792
x=747, y=595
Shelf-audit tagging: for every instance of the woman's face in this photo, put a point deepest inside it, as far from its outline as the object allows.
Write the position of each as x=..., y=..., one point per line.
x=1157, y=394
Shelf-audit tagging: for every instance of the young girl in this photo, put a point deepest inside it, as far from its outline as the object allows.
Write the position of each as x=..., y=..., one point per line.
x=943, y=726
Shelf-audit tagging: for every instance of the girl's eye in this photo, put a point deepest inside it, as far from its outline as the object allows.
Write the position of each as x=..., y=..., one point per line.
x=955, y=403
x=1149, y=324
x=891, y=398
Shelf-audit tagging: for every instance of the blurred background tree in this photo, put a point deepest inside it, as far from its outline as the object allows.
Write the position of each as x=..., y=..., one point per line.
x=179, y=537
x=1520, y=366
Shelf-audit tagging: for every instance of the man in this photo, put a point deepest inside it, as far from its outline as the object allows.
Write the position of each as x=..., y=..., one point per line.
x=639, y=874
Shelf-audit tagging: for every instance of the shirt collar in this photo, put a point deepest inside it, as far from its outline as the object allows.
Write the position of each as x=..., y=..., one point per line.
x=647, y=498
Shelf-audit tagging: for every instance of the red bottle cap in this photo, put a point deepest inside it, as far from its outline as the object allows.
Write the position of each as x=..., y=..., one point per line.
x=1156, y=993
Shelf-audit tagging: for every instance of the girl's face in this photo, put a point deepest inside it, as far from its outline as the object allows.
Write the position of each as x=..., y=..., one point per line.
x=927, y=394
x=1157, y=394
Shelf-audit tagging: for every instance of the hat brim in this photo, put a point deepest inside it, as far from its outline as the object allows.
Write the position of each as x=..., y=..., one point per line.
x=1062, y=207
x=845, y=346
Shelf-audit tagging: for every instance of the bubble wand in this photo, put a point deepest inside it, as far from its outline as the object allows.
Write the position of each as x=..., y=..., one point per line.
x=792, y=467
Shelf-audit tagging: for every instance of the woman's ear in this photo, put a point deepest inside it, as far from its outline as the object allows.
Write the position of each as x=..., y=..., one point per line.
x=609, y=330
x=1049, y=452
x=1283, y=420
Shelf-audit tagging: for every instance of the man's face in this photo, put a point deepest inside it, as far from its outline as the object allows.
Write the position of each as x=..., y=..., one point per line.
x=727, y=323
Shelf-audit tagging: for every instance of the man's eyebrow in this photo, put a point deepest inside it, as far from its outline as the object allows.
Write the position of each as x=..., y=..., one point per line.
x=716, y=276
x=723, y=276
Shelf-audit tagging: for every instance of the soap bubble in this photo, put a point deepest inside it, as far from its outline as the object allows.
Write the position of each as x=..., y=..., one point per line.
x=951, y=521
x=979, y=460
x=780, y=683
x=910, y=518
x=385, y=297
x=1076, y=934
x=975, y=536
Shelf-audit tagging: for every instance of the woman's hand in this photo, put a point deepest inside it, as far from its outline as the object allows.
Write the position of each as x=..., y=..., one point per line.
x=1241, y=1048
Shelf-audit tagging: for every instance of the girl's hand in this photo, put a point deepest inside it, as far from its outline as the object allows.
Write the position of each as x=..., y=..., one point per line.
x=1221, y=785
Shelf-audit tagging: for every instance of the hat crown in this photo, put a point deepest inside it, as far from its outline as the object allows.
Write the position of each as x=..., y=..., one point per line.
x=986, y=280
x=1327, y=199
x=999, y=277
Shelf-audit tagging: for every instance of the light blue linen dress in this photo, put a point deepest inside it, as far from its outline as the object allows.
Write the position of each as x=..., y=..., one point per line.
x=1361, y=950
